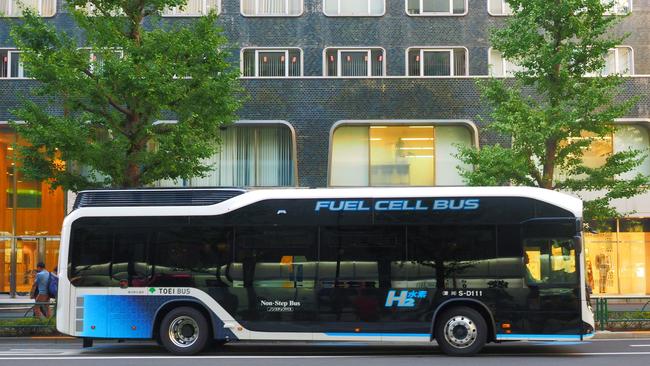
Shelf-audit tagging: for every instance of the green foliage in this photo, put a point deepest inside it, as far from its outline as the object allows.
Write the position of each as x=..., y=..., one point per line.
x=113, y=83
x=551, y=110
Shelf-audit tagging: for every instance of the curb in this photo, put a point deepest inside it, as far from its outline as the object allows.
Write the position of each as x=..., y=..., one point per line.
x=621, y=335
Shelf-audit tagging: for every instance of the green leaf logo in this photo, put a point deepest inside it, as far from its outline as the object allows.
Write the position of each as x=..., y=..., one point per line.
x=152, y=290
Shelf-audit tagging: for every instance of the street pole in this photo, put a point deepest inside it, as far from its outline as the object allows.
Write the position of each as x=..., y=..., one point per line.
x=14, y=219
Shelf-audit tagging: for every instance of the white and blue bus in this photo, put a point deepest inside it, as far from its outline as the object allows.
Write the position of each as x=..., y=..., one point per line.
x=196, y=267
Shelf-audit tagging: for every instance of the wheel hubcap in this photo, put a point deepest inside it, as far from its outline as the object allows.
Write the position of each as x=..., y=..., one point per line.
x=183, y=331
x=460, y=331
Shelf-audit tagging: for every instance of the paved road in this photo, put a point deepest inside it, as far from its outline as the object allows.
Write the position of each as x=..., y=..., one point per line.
x=23, y=352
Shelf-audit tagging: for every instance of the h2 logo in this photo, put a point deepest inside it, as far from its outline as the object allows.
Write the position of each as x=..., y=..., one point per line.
x=402, y=300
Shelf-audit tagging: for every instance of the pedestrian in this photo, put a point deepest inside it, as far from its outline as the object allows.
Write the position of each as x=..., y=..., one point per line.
x=39, y=290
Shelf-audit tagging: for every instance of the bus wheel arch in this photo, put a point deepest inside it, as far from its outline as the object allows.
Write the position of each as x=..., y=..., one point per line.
x=173, y=304
x=477, y=305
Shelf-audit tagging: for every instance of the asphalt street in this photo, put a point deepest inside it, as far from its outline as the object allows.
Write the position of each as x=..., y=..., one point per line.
x=625, y=352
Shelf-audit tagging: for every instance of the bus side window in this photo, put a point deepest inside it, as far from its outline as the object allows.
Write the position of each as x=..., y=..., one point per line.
x=192, y=256
x=267, y=256
x=549, y=261
x=131, y=262
x=90, y=255
x=451, y=257
x=361, y=256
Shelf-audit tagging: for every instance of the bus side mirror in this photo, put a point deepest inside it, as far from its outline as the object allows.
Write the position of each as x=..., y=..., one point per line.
x=577, y=244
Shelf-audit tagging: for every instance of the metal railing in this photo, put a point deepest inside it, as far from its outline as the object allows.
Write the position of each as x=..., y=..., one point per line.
x=23, y=315
x=622, y=312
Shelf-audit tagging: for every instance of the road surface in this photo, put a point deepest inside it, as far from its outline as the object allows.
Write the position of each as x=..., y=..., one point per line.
x=53, y=352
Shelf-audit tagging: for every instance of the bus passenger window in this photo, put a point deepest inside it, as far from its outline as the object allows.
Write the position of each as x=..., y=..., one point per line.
x=361, y=256
x=192, y=256
x=550, y=261
x=90, y=256
x=275, y=257
x=131, y=257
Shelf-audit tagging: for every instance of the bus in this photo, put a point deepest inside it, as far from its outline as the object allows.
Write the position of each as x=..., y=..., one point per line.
x=192, y=268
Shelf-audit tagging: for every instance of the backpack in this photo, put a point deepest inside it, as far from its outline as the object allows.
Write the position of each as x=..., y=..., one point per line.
x=53, y=285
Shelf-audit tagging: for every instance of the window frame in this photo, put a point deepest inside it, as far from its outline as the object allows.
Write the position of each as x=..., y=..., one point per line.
x=12, y=3
x=12, y=50
x=503, y=5
x=618, y=13
x=254, y=124
x=466, y=123
x=351, y=15
x=204, y=8
x=437, y=14
x=354, y=49
x=271, y=49
x=437, y=49
x=503, y=65
x=256, y=15
x=92, y=57
x=616, y=48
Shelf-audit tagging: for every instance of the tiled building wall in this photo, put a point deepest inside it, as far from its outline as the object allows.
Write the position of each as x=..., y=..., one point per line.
x=313, y=105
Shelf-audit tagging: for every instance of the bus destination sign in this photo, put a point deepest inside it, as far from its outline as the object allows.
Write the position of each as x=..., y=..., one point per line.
x=398, y=205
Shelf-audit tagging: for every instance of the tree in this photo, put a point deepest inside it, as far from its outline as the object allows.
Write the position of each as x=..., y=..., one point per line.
x=552, y=110
x=126, y=70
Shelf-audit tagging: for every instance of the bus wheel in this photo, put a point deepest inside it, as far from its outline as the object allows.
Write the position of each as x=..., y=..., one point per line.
x=184, y=331
x=461, y=331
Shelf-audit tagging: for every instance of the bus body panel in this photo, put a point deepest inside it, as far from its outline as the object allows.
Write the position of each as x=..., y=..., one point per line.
x=304, y=295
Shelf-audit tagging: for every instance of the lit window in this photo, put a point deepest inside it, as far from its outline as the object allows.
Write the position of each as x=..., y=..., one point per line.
x=499, y=66
x=14, y=8
x=354, y=62
x=626, y=137
x=405, y=155
x=10, y=64
x=193, y=8
x=271, y=62
x=436, y=7
x=499, y=7
x=437, y=62
x=271, y=7
x=354, y=7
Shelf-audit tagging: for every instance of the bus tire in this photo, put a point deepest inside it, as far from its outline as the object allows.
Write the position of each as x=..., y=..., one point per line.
x=184, y=331
x=461, y=331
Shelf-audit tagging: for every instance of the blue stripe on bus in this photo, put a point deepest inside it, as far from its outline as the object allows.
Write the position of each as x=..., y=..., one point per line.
x=539, y=336
x=378, y=334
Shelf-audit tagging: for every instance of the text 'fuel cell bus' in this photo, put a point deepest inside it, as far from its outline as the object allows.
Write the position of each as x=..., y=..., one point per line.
x=192, y=267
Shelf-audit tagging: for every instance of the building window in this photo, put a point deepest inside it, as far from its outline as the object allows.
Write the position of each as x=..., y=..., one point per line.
x=10, y=64
x=501, y=67
x=397, y=155
x=354, y=7
x=193, y=8
x=251, y=155
x=271, y=7
x=617, y=257
x=437, y=62
x=354, y=62
x=14, y=8
x=272, y=62
x=620, y=60
x=619, y=7
x=436, y=7
x=625, y=137
x=499, y=7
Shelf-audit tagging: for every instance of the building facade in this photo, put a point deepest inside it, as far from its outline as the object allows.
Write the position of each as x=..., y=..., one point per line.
x=350, y=93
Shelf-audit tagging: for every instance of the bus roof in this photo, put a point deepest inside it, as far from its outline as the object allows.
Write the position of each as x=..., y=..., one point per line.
x=214, y=201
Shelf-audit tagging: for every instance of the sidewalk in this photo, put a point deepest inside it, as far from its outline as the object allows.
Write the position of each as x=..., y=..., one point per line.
x=605, y=334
